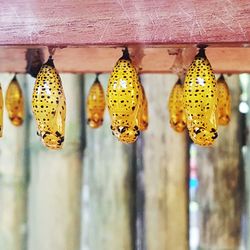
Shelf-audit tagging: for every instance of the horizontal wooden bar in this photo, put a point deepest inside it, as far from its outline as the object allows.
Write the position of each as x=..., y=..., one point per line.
x=150, y=60
x=109, y=22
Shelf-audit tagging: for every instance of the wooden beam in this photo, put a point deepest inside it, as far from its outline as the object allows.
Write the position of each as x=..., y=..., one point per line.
x=220, y=194
x=155, y=60
x=112, y=22
x=107, y=187
x=165, y=164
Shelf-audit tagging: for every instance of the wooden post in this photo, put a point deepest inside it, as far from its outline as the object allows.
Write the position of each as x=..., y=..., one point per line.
x=107, y=187
x=165, y=158
x=13, y=177
x=246, y=81
x=55, y=187
x=219, y=172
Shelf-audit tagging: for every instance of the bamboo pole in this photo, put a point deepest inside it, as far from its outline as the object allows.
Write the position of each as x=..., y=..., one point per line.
x=13, y=177
x=220, y=190
x=164, y=158
x=108, y=195
x=55, y=186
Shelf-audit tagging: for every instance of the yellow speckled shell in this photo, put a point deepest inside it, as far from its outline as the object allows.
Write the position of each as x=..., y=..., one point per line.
x=95, y=105
x=176, y=108
x=224, y=102
x=15, y=103
x=200, y=101
x=1, y=111
x=123, y=101
x=142, y=115
x=49, y=106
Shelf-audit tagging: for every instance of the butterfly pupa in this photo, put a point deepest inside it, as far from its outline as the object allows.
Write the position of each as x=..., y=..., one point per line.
x=14, y=102
x=95, y=104
x=143, y=111
x=200, y=101
x=123, y=99
x=1, y=111
x=49, y=106
x=176, y=107
x=224, y=101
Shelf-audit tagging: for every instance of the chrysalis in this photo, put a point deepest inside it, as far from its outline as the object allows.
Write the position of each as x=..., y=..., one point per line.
x=176, y=107
x=224, y=101
x=1, y=111
x=15, y=103
x=123, y=99
x=200, y=101
x=49, y=106
x=95, y=104
x=143, y=111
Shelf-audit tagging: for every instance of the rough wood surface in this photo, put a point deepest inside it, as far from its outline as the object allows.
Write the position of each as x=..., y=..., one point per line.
x=107, y=187
x=247, y=164
x=55, y=187
x=13, y=179
x=220, y=194
x=165, y=164
x=155, y=60
x=123, y=22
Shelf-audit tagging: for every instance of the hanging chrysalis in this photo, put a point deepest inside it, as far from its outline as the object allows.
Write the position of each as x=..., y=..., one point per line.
x=1, y=111
x=224, y=101
x=95, y=104
x=123, y=98
x=200, y=101
x=142, y=115
x=49, y=106
x=176, y=107
x=14, y=102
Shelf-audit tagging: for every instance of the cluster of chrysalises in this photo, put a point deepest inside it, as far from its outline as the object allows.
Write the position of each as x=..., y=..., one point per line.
x=95, y=104
x=126, y=100
x=202, y=104
x=176, y=107
x=14, y=102
x=49, y=106
x=200, y=101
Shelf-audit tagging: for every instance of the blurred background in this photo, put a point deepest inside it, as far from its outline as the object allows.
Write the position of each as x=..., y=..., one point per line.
x=161, y=193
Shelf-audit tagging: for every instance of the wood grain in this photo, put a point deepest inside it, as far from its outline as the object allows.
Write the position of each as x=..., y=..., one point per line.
x=112, y=22
x=155, y=60
x=165, y=164
x=220, y=185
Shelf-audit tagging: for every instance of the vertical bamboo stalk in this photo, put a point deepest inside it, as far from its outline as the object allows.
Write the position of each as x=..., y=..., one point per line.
x=219, y=171
x=13, y=177
x=165, y=171
x=107, y=187
x=55, y=187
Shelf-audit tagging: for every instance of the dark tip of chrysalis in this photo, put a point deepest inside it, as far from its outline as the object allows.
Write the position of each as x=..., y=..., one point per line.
x=50, y=62
x=201, y=53
x=125, y=55
x=221, y=78
x=97, y=77
x=179, y=81
x=14, y=78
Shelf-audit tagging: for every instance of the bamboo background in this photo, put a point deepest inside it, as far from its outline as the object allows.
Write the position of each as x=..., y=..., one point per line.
x=98, y=194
